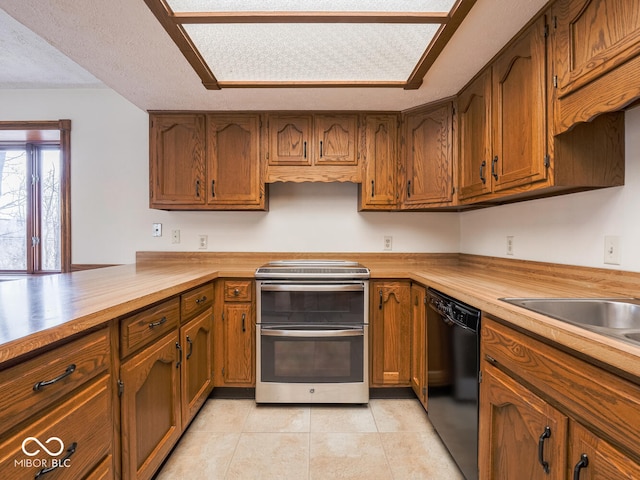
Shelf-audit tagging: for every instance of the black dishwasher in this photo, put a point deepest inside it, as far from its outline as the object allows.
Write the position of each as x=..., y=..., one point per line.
x=453, y=407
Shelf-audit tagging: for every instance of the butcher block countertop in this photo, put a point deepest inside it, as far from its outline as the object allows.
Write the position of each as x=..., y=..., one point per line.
x=36, y=312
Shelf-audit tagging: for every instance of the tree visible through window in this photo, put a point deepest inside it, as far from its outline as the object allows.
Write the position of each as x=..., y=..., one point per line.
x=33, y=198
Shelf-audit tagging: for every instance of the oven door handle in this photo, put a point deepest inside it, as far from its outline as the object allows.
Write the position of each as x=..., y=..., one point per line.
x=324, y=287
x=352, y=332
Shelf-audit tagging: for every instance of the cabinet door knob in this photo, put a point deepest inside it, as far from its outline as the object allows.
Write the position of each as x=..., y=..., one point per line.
x=582, y=463
x=179, y=362
x=546, y=434
x=190, y=347
x=236, y=292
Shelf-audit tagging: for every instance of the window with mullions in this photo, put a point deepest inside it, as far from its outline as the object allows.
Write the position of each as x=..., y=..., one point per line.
x=34, y=230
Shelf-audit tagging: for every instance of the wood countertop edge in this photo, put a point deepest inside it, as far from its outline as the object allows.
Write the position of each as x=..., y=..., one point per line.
x=470, y=285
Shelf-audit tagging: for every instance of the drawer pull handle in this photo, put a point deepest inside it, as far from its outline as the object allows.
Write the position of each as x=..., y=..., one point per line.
x=158, y=323
x=236, y=292
x=190, y=347
x=45, y=383
x=201, y=300
x=583, y=463
x=546, y=434
x=70, y=451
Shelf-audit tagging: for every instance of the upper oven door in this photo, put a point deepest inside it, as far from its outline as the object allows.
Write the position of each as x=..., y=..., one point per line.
x=306, y=302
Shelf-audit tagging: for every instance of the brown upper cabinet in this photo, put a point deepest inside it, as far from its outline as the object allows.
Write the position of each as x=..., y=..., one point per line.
x=427, y=179
x=379, y=189
x=312, y=147
x=507, y=147
x=475, y=150
x=177, y=161
x=205, y=162
x=596, y=58
x=233, y=162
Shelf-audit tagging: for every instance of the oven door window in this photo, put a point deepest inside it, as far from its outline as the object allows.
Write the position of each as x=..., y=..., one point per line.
x=309, y=305
x=291, y=359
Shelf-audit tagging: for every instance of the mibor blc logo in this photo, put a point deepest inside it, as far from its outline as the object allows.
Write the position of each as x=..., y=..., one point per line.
x=42, y=454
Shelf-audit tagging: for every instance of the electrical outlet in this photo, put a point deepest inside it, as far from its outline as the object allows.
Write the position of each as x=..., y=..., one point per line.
x=509, y=244
x=157, y=230
x=612, y=250
x=203, y=241
x=388, y=242
x=175, y=236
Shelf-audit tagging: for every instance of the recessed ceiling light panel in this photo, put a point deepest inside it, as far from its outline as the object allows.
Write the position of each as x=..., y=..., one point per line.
x=322, y=52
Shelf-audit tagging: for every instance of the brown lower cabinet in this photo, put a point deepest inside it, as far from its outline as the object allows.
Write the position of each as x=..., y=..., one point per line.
x=166, y=380
x=150, y=407
x=419, y=367
x=390, y=332
x=235, y=334
x=545, y=414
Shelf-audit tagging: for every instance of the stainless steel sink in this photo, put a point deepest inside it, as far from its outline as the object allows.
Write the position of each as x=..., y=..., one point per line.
x=616, y=317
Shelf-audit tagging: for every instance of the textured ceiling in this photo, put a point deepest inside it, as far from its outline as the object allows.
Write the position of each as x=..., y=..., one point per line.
x=121, y=43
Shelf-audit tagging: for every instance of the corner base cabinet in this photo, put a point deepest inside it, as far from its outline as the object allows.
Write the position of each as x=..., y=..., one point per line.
x=545, y=414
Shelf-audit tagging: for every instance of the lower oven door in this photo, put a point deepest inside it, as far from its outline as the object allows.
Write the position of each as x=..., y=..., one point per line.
x=306, y=364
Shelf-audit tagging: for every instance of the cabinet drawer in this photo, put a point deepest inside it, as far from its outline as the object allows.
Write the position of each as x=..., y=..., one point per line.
x=140, y=329
x=79, y=430
x=599, y=399
x=35, y=384
x=195, y=301
x=237, y=290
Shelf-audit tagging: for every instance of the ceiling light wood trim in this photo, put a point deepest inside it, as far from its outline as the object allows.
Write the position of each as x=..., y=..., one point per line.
x=163, y=14
x=309, y=17
x=440, y=40
x=311, y=84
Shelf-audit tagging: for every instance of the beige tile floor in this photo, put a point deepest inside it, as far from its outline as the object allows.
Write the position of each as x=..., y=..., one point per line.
x=235, y=439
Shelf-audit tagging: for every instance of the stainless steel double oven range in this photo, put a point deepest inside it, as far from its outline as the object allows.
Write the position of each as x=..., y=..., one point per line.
x=312, y=332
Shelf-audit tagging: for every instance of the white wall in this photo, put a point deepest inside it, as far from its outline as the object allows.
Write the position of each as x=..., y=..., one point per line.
x=109, y=188
x=569, y=229
x=111, y=219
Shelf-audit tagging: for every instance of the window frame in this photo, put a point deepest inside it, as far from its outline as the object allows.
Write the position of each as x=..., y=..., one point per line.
x=26, y=133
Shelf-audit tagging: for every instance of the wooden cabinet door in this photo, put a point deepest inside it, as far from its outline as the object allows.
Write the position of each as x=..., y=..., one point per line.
x=233, y=153
x=419, y=343
x=429, y=158
x=239, y=345
x=196, y=338
x=177, y=160
x=513, y=426
x=596, y=53
x=474, y=119
x=519, y=111
x=150, y=407
x=390, y=318
x=289, y=138
x=592, y=38
x=378, y=190
x=603, y=461
x=336, y=139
